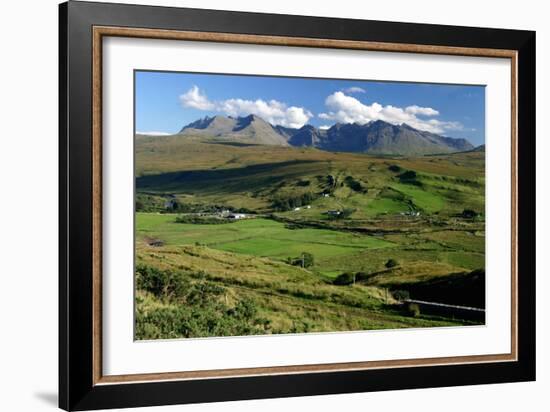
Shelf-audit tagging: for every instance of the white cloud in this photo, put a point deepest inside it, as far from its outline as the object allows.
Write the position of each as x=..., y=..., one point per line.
x=325, y=127
x=193, y=98
x=422, y=111
x=354, y=89
x=154, y=133
x=272, y=111
x=347, y=109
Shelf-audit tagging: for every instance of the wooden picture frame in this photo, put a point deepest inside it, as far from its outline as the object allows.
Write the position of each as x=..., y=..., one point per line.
x=82, y=385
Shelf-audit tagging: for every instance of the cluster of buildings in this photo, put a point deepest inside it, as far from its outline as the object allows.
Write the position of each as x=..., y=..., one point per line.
x=228, y=214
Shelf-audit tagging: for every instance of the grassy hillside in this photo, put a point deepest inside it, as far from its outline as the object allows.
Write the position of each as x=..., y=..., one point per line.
x=254, y=177
x=161, y=154
x=196, y=291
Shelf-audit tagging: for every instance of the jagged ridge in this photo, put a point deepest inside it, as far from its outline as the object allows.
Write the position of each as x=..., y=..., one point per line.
x=376, y=137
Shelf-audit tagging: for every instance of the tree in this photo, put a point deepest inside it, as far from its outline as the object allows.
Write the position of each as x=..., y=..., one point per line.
x=391, y=263
x=307, y=260
x=346, y=278
x=408, y=175
x=354, y=185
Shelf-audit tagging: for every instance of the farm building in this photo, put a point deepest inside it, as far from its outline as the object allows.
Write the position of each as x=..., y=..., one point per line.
x=334, y=212
x=225, y=212
x=236, y=216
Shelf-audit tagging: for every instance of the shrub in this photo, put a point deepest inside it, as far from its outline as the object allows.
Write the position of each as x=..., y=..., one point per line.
x=409, y=177
x=395, y=168
x=401, y=294
x=305, y=260
x=202, y=220
x=192, y=307
x=355, y=185
x=346, y=278
x=412, y=309
x=149, y=203
x=284, y=204
x=245, y=211
x=363, y=276
x=391, y=263
x=161, y=283
x=308, y=259
x=213, y=319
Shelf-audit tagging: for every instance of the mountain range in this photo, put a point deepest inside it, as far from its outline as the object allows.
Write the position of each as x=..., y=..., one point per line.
x=375, y=137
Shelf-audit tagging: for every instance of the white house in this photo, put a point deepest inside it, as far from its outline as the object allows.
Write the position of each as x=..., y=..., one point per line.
x=236, y=216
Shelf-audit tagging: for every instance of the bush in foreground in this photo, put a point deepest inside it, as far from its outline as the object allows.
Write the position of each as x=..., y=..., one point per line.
x=176, y=304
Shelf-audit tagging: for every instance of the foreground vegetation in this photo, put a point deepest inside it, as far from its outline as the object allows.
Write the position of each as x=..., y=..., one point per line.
x=195, y=291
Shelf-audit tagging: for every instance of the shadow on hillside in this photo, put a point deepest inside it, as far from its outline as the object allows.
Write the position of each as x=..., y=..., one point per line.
x=252, y=177
x=464, y=289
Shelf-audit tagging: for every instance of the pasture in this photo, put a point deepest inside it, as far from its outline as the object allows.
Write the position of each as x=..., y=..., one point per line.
x=257, y=236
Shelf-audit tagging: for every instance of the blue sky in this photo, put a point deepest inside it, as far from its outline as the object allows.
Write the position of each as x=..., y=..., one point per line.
x=167, y=101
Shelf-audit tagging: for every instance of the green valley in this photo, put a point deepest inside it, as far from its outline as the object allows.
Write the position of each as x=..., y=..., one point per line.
x=235, y=238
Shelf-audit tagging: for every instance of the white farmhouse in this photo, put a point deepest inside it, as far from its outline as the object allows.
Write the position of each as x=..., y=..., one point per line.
x=236, y=216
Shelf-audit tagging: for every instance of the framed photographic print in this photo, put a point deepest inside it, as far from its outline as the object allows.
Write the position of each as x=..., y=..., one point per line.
x=257, y=205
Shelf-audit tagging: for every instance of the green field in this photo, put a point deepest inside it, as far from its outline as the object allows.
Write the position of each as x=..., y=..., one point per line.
x=347, y=214
x=258, y=237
